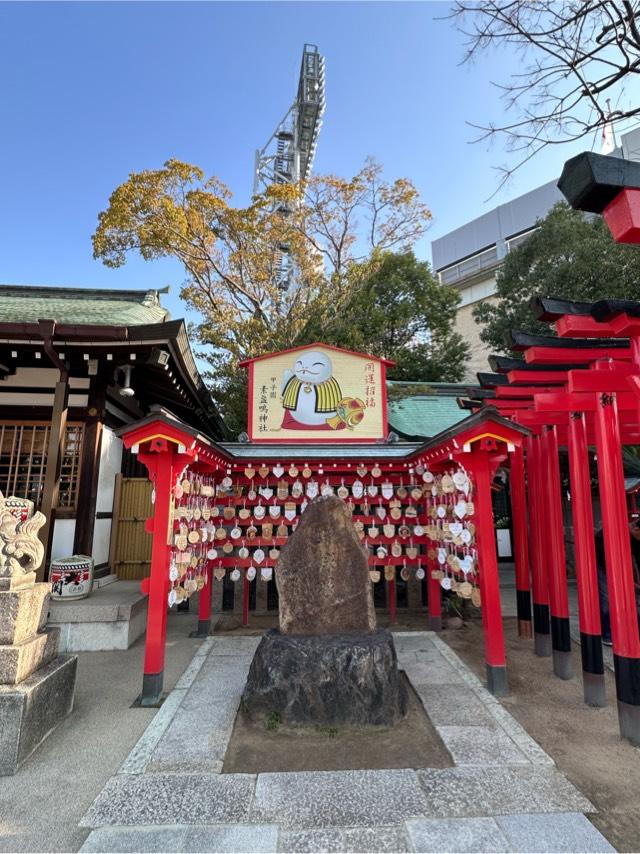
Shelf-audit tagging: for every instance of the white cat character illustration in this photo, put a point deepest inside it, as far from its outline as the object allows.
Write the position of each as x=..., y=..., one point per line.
x=310, y=394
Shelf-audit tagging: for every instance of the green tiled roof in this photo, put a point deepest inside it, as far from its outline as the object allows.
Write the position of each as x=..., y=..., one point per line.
x=426, y=410
x=30, y=303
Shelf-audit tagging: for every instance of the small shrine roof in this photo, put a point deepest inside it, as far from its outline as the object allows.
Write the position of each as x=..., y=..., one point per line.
x=353, y=451
x=246, y=362
x=82, y=306
x=425, y=410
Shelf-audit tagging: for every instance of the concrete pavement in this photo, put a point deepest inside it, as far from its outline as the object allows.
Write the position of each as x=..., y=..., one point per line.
x=41, y=805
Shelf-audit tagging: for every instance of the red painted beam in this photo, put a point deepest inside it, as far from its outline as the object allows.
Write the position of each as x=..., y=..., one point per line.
x=574, y=326
x=559, y=355
x=537, y=377
x=505, y=391
x=580, y=401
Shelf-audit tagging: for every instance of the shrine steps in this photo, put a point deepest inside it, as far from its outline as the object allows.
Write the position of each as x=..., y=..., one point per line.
x=113, y=617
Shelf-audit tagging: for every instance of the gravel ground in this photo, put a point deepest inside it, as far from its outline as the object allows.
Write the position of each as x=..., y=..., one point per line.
x=584, y=742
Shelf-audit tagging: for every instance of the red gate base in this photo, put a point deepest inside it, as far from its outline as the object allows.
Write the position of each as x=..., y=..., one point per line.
x=592, y=670
x=524, y=629
x=561, y=643
x=151, y=688
x=594, y=689
x=523, y=602
x=203, y=629
x=629, y=720
x=541, y=635
x=435, y=624
x=627, y=672
x=497, y=680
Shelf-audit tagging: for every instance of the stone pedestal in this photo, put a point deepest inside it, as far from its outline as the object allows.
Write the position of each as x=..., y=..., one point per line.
x=36, y=685
x=30, y=711
x=341, y=679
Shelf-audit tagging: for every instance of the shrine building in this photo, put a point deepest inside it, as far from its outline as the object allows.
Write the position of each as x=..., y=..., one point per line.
x=75, y=365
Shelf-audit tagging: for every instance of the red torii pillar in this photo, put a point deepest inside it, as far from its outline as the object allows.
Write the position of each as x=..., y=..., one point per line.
x=204, y=606
x=163, y=463
x=479, y=465
x=557, y=574
x=521, y=542
x=541, y=634
x=434, y=594
x=622, y=600
x=585, y=560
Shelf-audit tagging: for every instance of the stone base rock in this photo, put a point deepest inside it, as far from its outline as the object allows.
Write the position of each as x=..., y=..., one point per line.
x=347, y=679
x=31, y=710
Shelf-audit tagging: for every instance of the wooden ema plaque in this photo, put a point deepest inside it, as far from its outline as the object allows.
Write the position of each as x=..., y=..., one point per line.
x=317, y=394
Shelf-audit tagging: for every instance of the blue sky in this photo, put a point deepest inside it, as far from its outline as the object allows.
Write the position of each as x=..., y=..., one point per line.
x=93, y=91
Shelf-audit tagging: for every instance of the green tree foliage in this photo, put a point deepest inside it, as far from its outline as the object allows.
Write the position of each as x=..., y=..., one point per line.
x=570, y=256
x=397, y=310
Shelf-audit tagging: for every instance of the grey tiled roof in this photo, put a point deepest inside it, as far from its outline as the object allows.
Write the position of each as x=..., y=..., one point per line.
x=30, y=303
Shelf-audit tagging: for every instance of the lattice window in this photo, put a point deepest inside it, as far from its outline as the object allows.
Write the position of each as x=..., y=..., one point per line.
x=23, y=461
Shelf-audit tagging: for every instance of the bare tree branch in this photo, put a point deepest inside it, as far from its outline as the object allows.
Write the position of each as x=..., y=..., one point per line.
x=576, y=54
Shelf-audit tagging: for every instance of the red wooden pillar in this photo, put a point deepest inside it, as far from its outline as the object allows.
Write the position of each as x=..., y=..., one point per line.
x=622, y=600
x=557, y=561
x=495, y=658
x=393, y=616
x=204, y=605
x=245, y=599
x=585, y=560
x=541, y=636
x=434, y=592
x=160, y=467
x=521, y=543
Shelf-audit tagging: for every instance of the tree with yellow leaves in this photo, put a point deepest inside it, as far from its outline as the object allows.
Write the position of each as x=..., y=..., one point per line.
x=332, y=229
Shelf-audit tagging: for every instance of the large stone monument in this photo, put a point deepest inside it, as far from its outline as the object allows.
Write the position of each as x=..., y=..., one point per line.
x=36, y=685
x=327, y=664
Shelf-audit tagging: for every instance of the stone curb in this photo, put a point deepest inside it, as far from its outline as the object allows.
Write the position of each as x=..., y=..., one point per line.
x=531, y=749
x=140, y=756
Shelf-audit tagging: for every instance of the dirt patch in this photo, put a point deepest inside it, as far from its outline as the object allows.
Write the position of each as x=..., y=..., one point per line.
x=258, y=746
x=584, y=742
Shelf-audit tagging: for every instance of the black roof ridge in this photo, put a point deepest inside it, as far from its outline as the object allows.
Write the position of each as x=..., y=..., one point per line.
x=519, y=340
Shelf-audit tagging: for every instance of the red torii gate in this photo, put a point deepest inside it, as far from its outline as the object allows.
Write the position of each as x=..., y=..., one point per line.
x=167, y=447
x=594, y=400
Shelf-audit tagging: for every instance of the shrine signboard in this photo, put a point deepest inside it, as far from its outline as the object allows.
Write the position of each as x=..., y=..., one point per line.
x=317, y=393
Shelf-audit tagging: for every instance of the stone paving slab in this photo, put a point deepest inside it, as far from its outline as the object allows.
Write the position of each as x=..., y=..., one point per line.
x=570, y=832
x=468, y=792
x=429, y=673
x=506, y=721
x=469, y=807
x=456, y=834
x=143, y=839
x=308, y=799
x=253, y=839
x=454, y=705
x=150, y=799
x=137, y=761
x=239, y=645
x=196, y=740
x=355, y=840
x=479, y=745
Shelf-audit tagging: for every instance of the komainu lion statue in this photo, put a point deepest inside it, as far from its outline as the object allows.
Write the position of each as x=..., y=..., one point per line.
x=20, y=549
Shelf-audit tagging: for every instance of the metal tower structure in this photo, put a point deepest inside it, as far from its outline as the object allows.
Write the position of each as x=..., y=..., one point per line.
x=288, y=156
